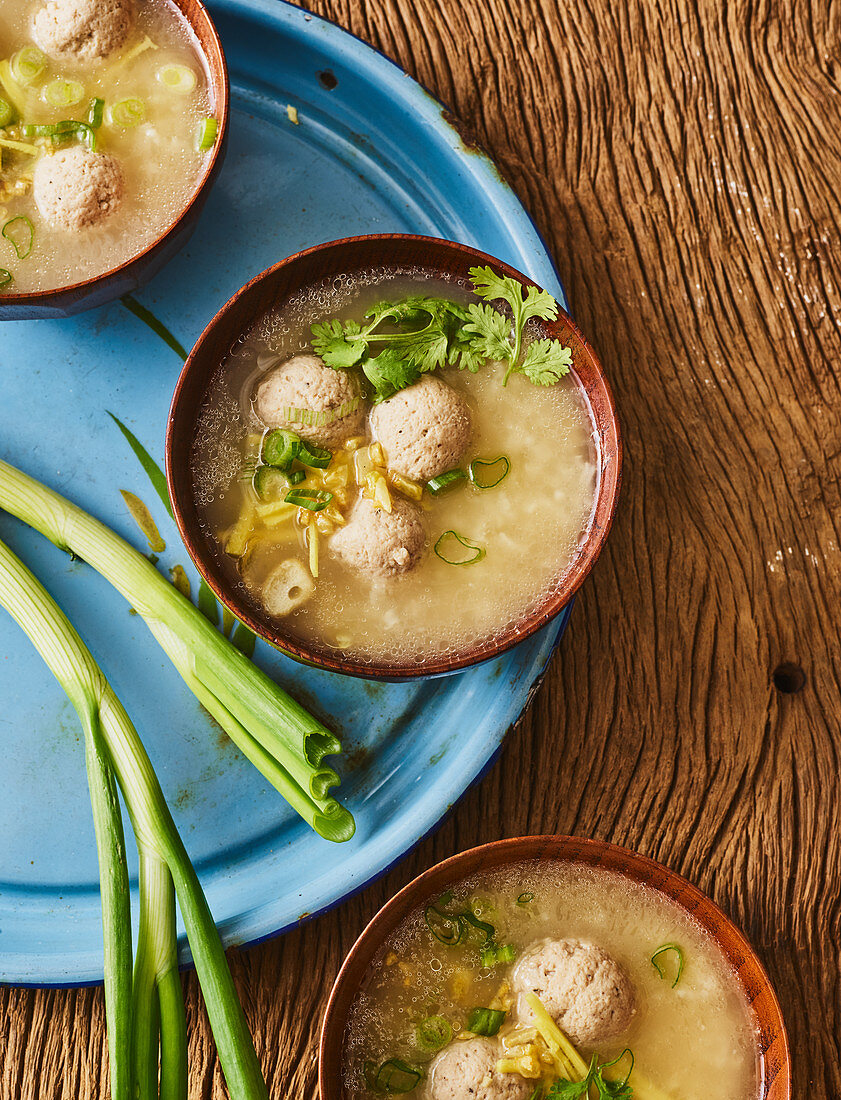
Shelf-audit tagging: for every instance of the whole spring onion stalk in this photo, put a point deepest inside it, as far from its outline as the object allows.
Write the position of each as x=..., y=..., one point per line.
x=275, y=733
x=150, y=1006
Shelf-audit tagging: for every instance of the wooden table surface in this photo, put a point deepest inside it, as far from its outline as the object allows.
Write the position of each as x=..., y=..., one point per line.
x=682, y=160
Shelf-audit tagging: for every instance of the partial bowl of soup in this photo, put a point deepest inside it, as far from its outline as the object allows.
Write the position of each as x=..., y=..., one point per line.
x=393, y=456
x=113, y=126
x=553, y=968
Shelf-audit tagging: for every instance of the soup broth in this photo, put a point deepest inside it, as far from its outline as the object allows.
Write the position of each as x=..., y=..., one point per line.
x=528, y=526
x=694, y=1040
x=156, y=112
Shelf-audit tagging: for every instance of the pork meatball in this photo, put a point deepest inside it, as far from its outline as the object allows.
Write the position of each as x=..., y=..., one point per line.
x=380, y=543
x=467, y=1071
x=424, y=429
x=305, y=383
x=76, y=188
x=83, y=30
x=584, y=989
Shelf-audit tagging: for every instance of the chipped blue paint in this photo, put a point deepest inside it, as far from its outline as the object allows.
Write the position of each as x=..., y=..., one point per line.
x=371, y=155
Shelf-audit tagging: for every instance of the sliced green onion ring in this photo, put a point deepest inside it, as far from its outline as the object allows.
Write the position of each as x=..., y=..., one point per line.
x=208, y=128
x=27, y=65
x=269, y=482
x=177, y=78
x=314, y=500
x=279, y=448
x=525, y=898
x=6, y=277
x=295, y=477
x=62, y=131
x=445, y=481
x=445, y=928
x=22, y=237
x=63, y=93
x=127, y=113
x=605, y=1065
x=433, y=1033
x=480, y=926
x=666, y=947
x=485, y=1021
x=495, y=468
x=493, y=955
x=6, y=113
x=442, y=549
x=397, y=1076
x=95, y=111
x=318, y=457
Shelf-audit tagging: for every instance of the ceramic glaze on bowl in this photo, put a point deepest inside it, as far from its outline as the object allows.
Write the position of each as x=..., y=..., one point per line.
x=452, y=617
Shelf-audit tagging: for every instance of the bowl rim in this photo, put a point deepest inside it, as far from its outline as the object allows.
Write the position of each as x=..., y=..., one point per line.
x=615, y=858
x=606, y=500
x=214, y=60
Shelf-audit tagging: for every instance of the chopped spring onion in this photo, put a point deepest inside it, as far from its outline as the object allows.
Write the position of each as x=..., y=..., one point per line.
x=127, y=113
x=177, y=78
x=310, y=455
x=62, y=131
x=279, y=448
x=314, y=500
x=433, y=1033
x=19, y=147
x=269, y=482
x=63, y=93
x=97, y=106
x=525, y=898
x=6, y=113
x=661, y=970
x=20, y=233
x=445, y=928
x=606, y=1065
x=445, y=481
x=394, y=1076
x=537, y=1094
x=494, y=955
x=27, y=65
x=273, y=731
x=11, y=89
x=208, y=129
x=295, y=477
x=6, y=277
x=143, y=518
x=486, y=474
x=113, y=748
x=445, y=546
x=487, y=930
x=485, y=1021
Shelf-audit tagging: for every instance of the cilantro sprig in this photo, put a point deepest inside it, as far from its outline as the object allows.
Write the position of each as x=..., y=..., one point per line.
x=605, y=1089
x=400, y=341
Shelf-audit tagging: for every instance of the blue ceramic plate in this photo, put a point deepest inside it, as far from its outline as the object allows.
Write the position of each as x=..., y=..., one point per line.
x=372, y=153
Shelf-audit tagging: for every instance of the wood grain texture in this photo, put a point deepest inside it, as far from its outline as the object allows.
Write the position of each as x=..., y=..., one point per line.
x=683, y=161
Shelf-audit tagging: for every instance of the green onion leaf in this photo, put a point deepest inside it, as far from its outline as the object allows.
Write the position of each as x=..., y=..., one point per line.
x=486, y=474
x=524, y=899
x=269, y=482
x=63, y=93
x=62, y=131
x=20, y=233
x=6, y=113
x=6, y=277
x=487, y=930
x=97, y=106
x=314, y=500
x=208, y=129
x=433, y=1033
x=485, y=1021
x=151, y=468
x=447, y=551
x=494, y=955
x=27, y=65
x=296, y=477
x=158, y=327
x=397, y=1076
x=679, y=961
x=309, y=455
x=127, y=113
x=177, y=78
x=446, y=929
x=143, y=518
x=279, y=448
x=444, y=481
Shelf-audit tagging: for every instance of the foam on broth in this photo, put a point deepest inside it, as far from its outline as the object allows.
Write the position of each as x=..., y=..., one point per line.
x=161, y=164
x=696, y=1041
x=531, y=524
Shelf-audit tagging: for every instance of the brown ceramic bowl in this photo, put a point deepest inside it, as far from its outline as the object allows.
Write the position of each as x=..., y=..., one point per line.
x=67, y=300
x=270, y=289
x=775, y=1068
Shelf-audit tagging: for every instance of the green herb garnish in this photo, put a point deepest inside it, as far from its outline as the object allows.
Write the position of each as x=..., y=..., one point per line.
x=6, y=113
x=97, y=106
x=279, y=448
x=27, y=65
x=485, y=1021
x=445, y=481
x=59, y=132
x=127, y=113
x=664, y=950
x=206, y=137
x=445, y=549
x=446, y=928
x=606, y=1089
x=6, y=277
x=20, y=233
x=310, y=455
x=313, y=500
x=433, y=1033
x=395, y=1076
x=494, y=955
x=525, y=898
x=63, y=93
x=487, y=473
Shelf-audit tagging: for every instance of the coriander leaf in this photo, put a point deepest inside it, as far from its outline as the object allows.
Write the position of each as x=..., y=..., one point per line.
x=339, y=345
x=426, y=349
x=487, y=284
x=568, y=1090
x=467, y=356
x=488, y=332
x=388, y=372
x=539, y=303
x=545, y=362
